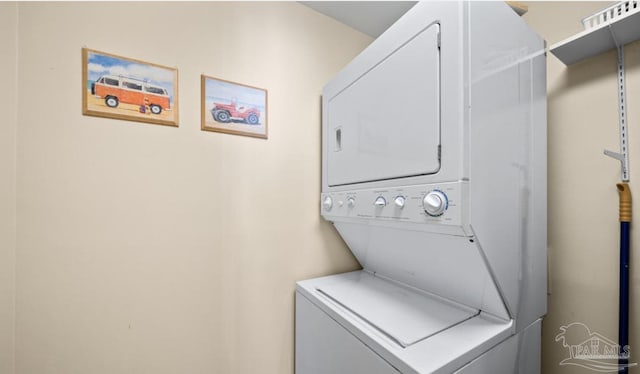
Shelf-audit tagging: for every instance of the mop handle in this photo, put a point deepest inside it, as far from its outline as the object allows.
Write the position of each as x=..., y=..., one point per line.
x=625, y=249
x=625, y=202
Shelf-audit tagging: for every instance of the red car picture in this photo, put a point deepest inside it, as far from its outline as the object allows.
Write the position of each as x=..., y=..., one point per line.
x=226, y=113
x=233, y=108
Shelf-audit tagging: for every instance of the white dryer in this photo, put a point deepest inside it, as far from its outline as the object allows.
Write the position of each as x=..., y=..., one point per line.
x=434, y=174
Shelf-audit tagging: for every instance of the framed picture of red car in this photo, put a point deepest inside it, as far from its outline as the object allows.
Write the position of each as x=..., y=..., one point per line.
x=233, y=108
x=124, y=88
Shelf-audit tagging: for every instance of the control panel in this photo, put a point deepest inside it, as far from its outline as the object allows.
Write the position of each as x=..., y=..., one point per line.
x=439, y=203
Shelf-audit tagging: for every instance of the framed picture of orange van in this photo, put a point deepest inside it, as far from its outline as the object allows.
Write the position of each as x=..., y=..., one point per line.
x=128, y=89
x=233, y=108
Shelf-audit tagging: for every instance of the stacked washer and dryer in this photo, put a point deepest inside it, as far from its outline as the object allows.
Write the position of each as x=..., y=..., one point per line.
x=434, y=174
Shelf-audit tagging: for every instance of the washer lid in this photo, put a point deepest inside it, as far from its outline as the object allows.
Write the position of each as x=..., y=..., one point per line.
x=404, y=315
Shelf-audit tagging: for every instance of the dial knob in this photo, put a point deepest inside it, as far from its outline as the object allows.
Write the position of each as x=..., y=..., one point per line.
x=399, y=201
x=435, y=203
x=327, y=203
x=351, y=202
x=380, y=202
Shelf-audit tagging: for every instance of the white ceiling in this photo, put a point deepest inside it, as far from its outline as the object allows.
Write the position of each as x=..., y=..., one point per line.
x=369, y=17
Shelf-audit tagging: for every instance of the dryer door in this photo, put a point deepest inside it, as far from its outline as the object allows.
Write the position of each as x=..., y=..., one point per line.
x=373, y=133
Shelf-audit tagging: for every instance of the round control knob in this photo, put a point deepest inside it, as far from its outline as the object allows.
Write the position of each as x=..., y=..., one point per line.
x=327, y=203
x=351, y=202
x=435, y=203
x=399, y=201
x=380, y=202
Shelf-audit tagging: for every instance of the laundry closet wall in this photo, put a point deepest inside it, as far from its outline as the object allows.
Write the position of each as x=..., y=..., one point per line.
x=150, y=249
x=153, y=249
x=583, y=200
x=8, y=77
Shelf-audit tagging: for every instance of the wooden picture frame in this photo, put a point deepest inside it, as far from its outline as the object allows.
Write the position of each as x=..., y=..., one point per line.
x=128, y=89
x=233, y=108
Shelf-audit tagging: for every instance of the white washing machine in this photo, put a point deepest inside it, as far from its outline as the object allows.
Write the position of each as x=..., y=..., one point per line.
x=434, y=173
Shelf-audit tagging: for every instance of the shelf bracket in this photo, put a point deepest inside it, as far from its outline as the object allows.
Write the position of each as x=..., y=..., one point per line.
x=623, y=156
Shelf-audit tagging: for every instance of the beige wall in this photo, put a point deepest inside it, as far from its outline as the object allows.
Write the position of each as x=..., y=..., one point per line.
x=583, y=201
x=8, y=77
x=150, y=249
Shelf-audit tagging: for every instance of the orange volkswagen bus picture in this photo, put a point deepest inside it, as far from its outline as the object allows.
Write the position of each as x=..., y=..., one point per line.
x=124, y=88
x=115, y=90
